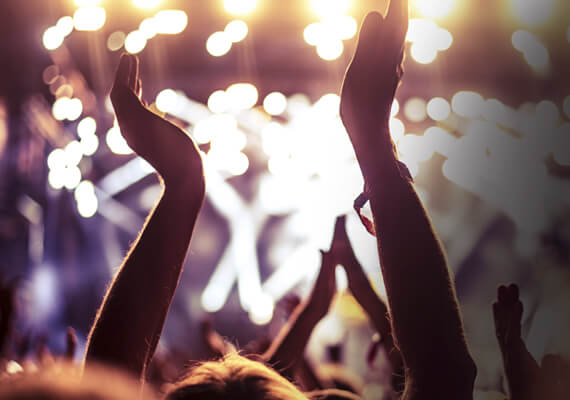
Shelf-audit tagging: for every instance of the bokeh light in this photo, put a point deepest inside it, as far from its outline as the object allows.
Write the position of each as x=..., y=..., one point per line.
x=534, y=52
x=218, y=44
x=170, y=22
x=434, y=8
x=89, y=18
x=330, y=8
x=533, y=12
x=275, y=103
x=116, y=40
x=86, y=127
x=52, y=38
x=218, y=101
x=147, y=3
x=242, y=96
x=423, y=53
x=135, y=42
x=467, y=104
x=415, y=109
x=148, y=28
x=330, y=49
x=116, y=142
x=65, y=25
x=438, y=109
x=240, y=7
x=237, y=30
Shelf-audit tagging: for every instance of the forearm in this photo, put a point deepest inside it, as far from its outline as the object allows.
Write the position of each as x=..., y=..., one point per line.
x=424, y=310
x=131, y=318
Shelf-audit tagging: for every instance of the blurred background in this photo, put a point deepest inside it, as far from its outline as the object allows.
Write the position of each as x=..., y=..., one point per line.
x=481, y=120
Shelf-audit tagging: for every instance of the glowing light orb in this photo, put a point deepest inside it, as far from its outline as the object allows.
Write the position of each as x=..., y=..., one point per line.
x=170, y=22
x=116, y=40
x=330, y=50
x=57, y=159
x=275, y=103
x=116, y=142
x=135, y=42
x=534, y=52
x=89, y=145
x=89, y=18
x=237, y=30
x=166, y=100
x=438, y=109
x=86, y=127
x=240, y=7
x=395, y=108
x=52, y=38
x=397, y=129
x=218, y=44
x=423, y=53
x=434, y=8
x=467, y=104
x=313, y=33
x=218, y=101
x=65, y=25
x=148, y=28
x=242, y=96
x=329, y=8
x=71, y=177
x=415, y=109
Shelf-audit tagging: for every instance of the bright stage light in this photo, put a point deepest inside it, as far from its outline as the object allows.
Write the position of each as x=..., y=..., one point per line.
x=242, y=96
x=237, y=30
x=434, y=8
x=330, y=49
x=116, y=142
x=275, y=103
x=147, y=3
x=89, y=18
x=73, y=153
x=415, y=109
x=218, y=44
x=89, y=145
x=240, y=7
x=397, y=129
x=71, y=177
x=52, y=38
x=86, y=127
x=218, y=102
x=166, y=100
x=57, y=159
x=313, y=33
x=65, y=25
x=116, y=40
x=135, y=42
x=423, y=53
x=438, y=109
x=262, y=310
x=148, y=28
x=170, y=22
x=533, y=12
x=330, y=8
x=467, y=104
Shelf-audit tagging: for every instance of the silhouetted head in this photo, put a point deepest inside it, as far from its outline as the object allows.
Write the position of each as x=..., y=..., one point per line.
x=234, y=377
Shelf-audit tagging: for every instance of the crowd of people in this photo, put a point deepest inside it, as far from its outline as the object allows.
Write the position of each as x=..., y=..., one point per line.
x=420, y=327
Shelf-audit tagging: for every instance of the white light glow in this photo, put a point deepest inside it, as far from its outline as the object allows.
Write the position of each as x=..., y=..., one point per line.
x=242, y=96
x=71, y=177
x=313, y=33
x=534, y=52
x=89, y=18
x=330, y=8
x=415, y=109
x=275, y=103
x=89, y=145
x=395, y=108
x=423, y=53
x=84, y=190
x=60, y=108
x=170, y=22
x=438, y=109
x=218, y=44
x=88, y=206
x=57, y=159
x=86, y=127
x=73, y=153
x=397, y=129
x=240, y=7
x=135, y=42
x=434, y=8
x=148, y=28
x=330, y=49
x=237, y=30
x=167, y=100
x=147, y=3
x=65, y=25
x=116, y=142
x=87, y=3
x=262, y=310
x=56, y=178
x=74, y=109
x=53, y=38
x=218, y=102
x=467, y=104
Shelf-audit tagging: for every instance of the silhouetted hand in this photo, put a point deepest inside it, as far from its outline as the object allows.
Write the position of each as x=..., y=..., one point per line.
x=507, y=312
x=371, y=80
x=162, y=144
x=325, y=286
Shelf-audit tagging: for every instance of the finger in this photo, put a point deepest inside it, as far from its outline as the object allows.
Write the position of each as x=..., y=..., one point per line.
x=502, y=293
x=122, y=75
x=134, y=73
x=368, y=37
x=397, y=17
x=138, y=88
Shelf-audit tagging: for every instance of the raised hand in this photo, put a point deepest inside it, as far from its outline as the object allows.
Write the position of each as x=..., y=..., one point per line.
x=507, y=312
x=164, y=145
x=371, y=80
x=325, y=286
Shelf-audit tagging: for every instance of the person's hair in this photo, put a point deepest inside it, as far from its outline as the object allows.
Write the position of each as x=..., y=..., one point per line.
x=234, y=377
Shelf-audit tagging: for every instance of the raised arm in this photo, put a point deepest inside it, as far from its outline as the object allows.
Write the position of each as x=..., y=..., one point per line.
x=130, y=320
x=287, y=349
x=425, y=315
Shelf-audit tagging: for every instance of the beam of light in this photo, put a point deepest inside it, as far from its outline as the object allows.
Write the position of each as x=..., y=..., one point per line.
x=240, y=7
x=533, y=12
x=170, y=22
x=237, y=30
x=89, y=18
x=219, y=44
x=123, y=177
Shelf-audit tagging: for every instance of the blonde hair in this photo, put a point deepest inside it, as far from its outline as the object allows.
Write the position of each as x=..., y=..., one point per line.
x=234, y=377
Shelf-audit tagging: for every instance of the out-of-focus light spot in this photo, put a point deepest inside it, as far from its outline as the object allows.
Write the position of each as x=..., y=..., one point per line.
x=534, y=52
x=212, y=299
x=424, y=53
x=240, y=7
x=227, y=142
x=135, y=42
x=434, y=8
x=73, y=153
x=443, y=39
x=56, y=178
x=86, y=127
x=60, y=107
x=206, y=128
x=89, y=145
x=242, y=96
x=397, y=129
x=89, y=18
x=88, y=207
x=419, y=28
x=71, y=177
x=64, y=90
x=239, y=165
x=74, y=110
x=262, y=309
x=395, y=108
x=170, y=22
x=218, y=44
x=166, y=100
x=547, y=114
x=116, y=142
x=438, y=109
x=347, y=26
x=50, y=74
x=57, y=159
x=275, y=103
x=237, y=30
x=313, y=33
x=412, y=148
x=53, y=38
x=12, y=367
x=274, y=140
x=116, y=40
x=533, y=12
x=415, y=109
x=328, y=105
x=467, y=104
x=439, y=140
x=148, y=28
x=218, y=101
x=330, y=49
x=147, y=3
x=65, y=25
x=329, y=8
x=84, y=189
x=566, y=106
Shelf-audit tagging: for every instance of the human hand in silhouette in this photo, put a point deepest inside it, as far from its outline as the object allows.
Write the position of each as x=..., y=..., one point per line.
x=162, y=144
x=371, y=81
x=324, y=289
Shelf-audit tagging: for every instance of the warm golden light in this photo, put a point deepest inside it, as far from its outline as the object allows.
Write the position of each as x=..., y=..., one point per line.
x=147, y=3
x=218, y=101
x=52, y=38
x=330, y=8
x=240, y=7
x=170, y=22
x=424, y=53
x=237, y=30
x=242, y=96
x=467, y=104
x=434, y=8
x=65, y=25
x=89, y=18
x=330, y=49
x=135, y=42
x=87, y=3
x=148, y=27
x=218, y=44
